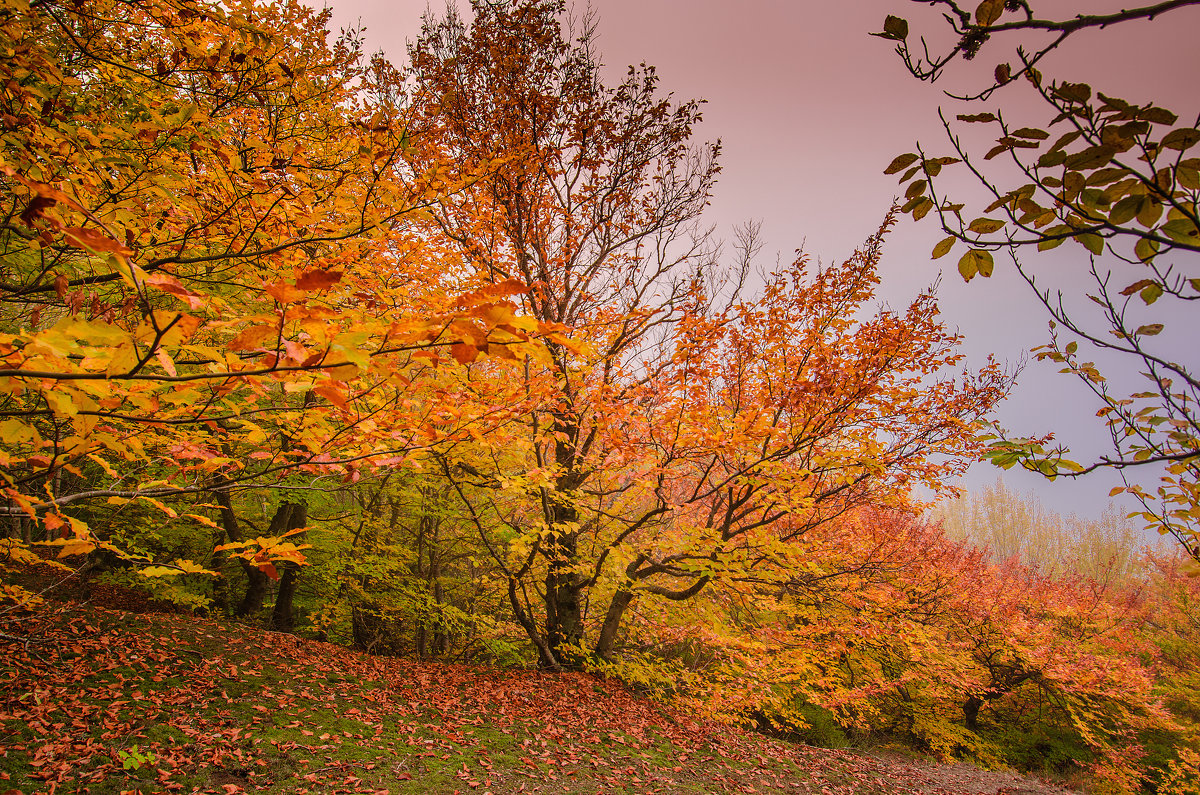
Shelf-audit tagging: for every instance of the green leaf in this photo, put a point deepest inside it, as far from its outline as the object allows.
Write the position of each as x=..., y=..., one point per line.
x=915, y=189
x=943, y=248
x=1188, y=175
x=1152, y=293
x=1125, y=210
x=1182, y=230
x=900, y=163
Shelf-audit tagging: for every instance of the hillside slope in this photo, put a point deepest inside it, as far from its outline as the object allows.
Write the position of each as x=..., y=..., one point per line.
x=100, y=701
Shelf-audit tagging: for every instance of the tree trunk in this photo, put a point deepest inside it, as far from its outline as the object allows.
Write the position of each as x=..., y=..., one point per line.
x=283, y=615
x=612, y=621
x=256, y=579
x=971, y=713
x=564, y=611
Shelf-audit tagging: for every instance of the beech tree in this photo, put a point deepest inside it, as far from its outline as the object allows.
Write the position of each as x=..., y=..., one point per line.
x=199, y=269
x=680, y=434
x=1111, y=175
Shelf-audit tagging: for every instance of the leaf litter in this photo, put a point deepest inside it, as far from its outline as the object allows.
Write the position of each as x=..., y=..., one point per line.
x=208, y=708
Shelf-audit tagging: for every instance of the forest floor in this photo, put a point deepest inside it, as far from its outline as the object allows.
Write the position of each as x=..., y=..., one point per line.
x=104, y=701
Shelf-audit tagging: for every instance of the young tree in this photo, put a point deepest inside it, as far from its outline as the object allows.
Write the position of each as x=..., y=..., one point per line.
x=1117, y=180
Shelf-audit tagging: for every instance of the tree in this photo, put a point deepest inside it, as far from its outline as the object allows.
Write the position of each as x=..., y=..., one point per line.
x=684, y=435
x=1116, y=180
x=594, y=216
x=199, y=261
x=1014, y=525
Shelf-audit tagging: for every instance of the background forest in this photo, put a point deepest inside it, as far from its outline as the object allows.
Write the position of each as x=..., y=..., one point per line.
x=443, y=360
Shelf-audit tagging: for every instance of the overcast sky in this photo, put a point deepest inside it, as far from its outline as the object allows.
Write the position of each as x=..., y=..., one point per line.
x=810, y=110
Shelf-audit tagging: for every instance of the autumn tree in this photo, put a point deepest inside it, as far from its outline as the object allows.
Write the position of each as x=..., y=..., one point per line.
x=594, y=215
x=681, y=429
x=1110, y=175
x=199, y=269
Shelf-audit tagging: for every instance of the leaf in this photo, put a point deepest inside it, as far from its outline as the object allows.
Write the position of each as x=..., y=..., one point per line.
x=1149, y=330
x=1152, y=293
x=895, y=28
x=985, y=226
x=95, y=242
x=924, y=205
x=1145, y=249
x=977, y=118
x=984, y=263
x=1030, y=132
x=160, y=571
x=900, y=163
x=1181, y=139
x=968, y=264
x=252, y=338
x=172, y=286
x=1125, y=210
x=318, y=279
x=987, y=12
x=283, y=292
x=1136, y=286
x=943, y=247
x=1091, y=241
x=1157, y=115
x=1091, y=158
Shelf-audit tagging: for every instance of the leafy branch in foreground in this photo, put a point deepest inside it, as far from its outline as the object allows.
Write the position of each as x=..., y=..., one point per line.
x=1121, y=180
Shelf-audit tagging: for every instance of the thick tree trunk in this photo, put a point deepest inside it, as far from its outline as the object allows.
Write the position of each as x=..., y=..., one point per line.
x=563, y=599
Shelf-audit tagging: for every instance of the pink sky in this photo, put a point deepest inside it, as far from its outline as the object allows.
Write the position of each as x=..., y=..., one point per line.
x=810, y=109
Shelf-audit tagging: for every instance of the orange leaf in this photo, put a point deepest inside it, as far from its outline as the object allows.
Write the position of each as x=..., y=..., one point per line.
x=464, y=353
x=96, y=242
x=251, y=338
x=490, y=293
x=169, y=284
x=332, y=393
x=318, y=279
x=283, y=292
